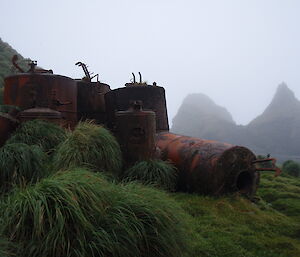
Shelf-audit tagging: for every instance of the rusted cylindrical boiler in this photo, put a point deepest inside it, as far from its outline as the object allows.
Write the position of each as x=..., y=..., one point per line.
x=90, y=100
x=43, y=90
x=135, y=131
x=153, y=98
x=209, y=167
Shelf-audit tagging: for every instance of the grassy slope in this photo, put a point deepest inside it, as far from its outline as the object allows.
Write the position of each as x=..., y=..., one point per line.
x=283, y=194
x=232, y=226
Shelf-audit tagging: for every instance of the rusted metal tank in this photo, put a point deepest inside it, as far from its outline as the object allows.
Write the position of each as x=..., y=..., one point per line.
x=152, y=96
x=90, y=100
x=209, y=167
x=43, y=90
x=8, y=124
x=135, y=131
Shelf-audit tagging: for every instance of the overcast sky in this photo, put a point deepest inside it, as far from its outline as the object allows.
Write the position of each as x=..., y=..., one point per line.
x=235, y=51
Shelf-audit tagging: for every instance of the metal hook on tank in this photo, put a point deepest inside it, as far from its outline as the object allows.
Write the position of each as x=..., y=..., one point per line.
x=140, y=77
x=14, y=62
x=134, y=81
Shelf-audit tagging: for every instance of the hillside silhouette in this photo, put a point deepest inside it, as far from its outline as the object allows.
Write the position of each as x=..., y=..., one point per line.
x=275, y=131
x=6, y=67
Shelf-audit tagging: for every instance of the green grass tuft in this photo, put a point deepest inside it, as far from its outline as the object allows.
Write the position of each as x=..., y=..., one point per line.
x=79, y=213
x=20, y=164
x=39, y=132
x=153, y=172
x=164, y=225
x=7, y=249
x=92, y=146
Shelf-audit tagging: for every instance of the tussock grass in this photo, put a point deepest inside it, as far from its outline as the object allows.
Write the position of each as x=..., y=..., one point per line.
x=166, y=231
x=20, y=164
x=153, y=172
x=79, y=213
x=92, y=146
x=51, y=218
x=7, y=249
x=39, y=132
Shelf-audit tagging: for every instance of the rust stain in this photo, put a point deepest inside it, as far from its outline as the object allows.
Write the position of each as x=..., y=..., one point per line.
x=207, y=166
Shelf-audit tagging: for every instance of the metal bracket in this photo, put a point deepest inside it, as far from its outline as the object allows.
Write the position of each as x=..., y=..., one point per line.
x=274, y=168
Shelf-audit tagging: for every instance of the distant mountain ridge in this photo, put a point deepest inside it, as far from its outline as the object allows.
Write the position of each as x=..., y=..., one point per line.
x=275, y=131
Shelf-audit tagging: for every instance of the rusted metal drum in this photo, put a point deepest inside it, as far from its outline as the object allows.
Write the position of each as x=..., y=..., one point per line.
x=135, y=131
x=8, y=125
x=153, y=98
x=90, y=100
x=46, y=114
x=209, y=167
x=43, y=90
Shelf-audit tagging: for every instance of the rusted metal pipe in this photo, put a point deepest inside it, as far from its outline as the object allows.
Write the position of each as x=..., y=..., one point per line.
x=14, y=62
x=85, y=70
x=134, y=81
x=209, y=167
x=273, y=168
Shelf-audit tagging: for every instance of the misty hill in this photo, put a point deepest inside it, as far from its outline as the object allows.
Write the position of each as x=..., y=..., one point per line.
x=199, y=116
x=279, y=125
x=6, y=67
x=275, y=131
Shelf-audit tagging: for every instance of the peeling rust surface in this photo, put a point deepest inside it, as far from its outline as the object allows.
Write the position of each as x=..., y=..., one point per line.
x=43, y=90
x=273, y=164
x=90, y=100
x=207, y=166
x=153, y=98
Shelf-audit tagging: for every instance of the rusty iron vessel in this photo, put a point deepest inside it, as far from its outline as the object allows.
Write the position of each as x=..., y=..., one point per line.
x=152, y=96
x=43, y=90
x=135, y=131
x=90, y=100
x=209, y=167
x=59, y=98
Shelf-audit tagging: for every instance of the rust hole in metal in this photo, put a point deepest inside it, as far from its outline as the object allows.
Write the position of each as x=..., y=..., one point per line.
x=244, y=182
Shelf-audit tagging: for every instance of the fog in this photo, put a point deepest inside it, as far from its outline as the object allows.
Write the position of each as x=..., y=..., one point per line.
x=235, y=51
